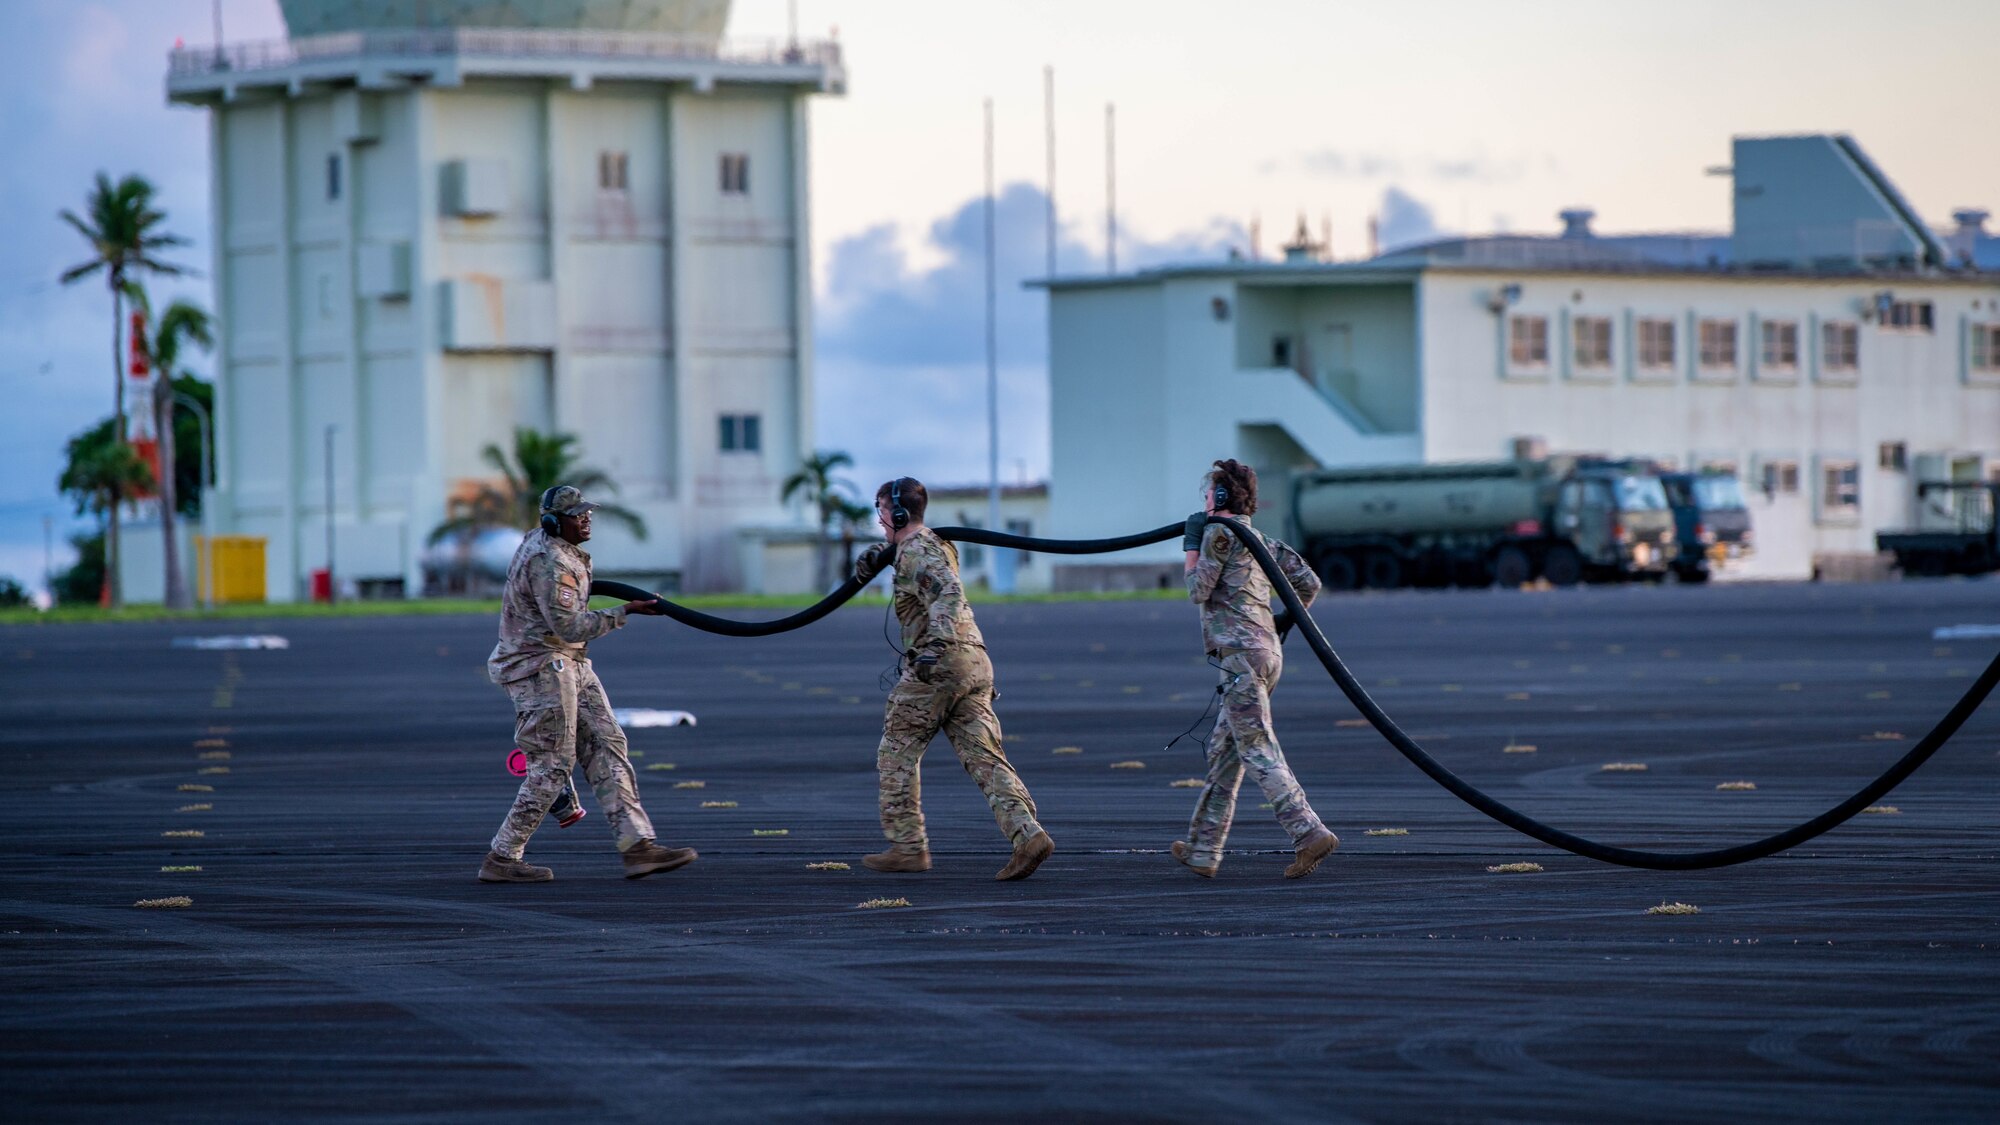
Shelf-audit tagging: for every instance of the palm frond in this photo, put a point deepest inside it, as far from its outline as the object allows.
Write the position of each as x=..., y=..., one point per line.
x=620, y=514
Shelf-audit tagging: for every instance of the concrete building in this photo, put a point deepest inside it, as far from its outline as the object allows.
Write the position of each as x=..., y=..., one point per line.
x=1831, y=350
x=438, y=221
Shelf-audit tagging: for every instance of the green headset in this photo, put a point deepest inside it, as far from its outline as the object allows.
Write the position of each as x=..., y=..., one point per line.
x=550, y=522
x=899, y=516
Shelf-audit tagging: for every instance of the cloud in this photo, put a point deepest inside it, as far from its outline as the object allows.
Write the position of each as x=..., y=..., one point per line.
x=1344, y=164
x=1405, y=220
x=901, y=348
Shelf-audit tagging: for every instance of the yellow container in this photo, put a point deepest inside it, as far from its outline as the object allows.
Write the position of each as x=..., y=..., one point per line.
x=230, y=568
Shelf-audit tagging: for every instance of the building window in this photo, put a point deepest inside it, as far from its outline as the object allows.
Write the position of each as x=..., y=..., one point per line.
x=1591, y=342
x=1781, y=345
x=1893, y=455
x=1840, y=346
x=1718, y=343
x=1528, y=341
x=1840, y=488
x=333, y=176
x=735, y=173
x=1916, y=316
x=612, y=169
x=741, y=433
x=1986, y=347
x=1025, y=528
x=1779, y=478
x=1656, y=343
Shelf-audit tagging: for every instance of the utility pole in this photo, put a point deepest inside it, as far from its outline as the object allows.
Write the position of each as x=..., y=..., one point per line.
x=1110, y=188
x=1049, y=131
x=332, y=590
x=992, y=375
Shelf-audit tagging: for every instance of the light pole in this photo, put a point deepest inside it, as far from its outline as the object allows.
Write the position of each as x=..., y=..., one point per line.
x=332, y=591
x=208, y=485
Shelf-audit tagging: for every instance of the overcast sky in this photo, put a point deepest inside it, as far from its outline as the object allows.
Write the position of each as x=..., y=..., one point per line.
x=1437, y=116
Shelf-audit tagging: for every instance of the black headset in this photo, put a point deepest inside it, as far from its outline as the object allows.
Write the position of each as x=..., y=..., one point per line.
x=899, y=517
x=550, y=523
x=1221, y=495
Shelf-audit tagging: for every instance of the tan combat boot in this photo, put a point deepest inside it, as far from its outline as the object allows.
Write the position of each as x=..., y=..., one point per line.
x=1028, y=855
x=1317, y=845
x=647, y=858
x=895, y=861
x=1184, y=853
x=500, y=869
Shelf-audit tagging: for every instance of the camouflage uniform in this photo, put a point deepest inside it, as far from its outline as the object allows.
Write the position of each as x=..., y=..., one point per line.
x=1234, y=595
x=561, y=715
x=954, y=695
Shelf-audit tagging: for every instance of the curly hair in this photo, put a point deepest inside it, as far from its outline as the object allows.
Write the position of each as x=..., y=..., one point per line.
x=1240, y=481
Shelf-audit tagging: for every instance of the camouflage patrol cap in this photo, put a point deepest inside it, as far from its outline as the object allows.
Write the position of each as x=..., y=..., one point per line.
x=565, y=500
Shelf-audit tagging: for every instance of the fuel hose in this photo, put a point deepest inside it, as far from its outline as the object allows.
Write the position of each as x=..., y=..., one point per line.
x=1408, y=747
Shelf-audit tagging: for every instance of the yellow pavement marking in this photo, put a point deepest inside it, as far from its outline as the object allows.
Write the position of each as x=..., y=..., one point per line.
x=881, y=903
x=1518, y=748
x=828, y=865
x=173, y=902
x=690, y=784
x=660, y=766
x=770, y=831
x=718, y=804
x=1067, y=750
x=1133, y=765
x=180, y=868
x=195, y=808
x=1187, y=783
x=1350, y=722
x=1883, y=810
x=212, y=756
x=1453, y=687
x=212, y=770
x=1386, y=832
x=1623, y=767
x=1674, y=908
x=1514, y=868
x=1737, y=786
x=184, y=833
x=190, y=787
x=1131, y=689
x=1516, y=696
x=201, y=742
x=850, y=699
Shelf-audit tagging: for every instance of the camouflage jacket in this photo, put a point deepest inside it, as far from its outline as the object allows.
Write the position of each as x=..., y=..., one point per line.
x=1234, y=593
x=930, y=602
x=544, y=610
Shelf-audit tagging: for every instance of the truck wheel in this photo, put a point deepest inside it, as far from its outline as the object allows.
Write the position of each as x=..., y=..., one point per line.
x=1511, y=568
x=1381, y=570
x=1692, y=575
x=1563, y=567
x=1337, y=570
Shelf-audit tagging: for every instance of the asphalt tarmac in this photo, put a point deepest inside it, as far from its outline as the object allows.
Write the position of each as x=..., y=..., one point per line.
x=339, y=962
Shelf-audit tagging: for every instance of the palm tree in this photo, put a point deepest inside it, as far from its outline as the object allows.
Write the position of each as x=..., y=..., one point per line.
x=538, y=463
x=123, y=240
x=102, y=474
x=820, y=488
x=184, y=322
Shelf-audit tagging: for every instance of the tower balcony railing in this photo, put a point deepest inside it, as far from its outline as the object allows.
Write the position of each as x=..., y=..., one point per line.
x=517, y=43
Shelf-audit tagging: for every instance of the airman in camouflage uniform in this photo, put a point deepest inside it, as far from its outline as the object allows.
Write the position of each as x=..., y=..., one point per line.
x=561, y=715
x=1238, y=630
x=946, y=684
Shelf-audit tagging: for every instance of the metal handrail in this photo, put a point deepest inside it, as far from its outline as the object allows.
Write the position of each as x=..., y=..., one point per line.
x=274, y=54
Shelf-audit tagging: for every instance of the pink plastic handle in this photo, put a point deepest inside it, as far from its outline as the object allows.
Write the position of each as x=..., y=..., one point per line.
x=517, y=763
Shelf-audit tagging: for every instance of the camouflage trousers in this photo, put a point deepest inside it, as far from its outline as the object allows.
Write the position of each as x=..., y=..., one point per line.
x=1243, y=739
x=956, y=697
x=562, y=719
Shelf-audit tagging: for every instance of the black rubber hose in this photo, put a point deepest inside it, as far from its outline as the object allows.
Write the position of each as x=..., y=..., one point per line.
x=1908, y=764
x=1591, y=849
x=723, y=626
x=728, y=627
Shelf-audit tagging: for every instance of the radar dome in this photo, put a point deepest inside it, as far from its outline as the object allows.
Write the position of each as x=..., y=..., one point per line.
x=701, y=18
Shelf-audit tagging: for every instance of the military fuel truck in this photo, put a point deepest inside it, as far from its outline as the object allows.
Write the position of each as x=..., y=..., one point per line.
x=1967, y=543
x=1711, y=521
x=1479, y=523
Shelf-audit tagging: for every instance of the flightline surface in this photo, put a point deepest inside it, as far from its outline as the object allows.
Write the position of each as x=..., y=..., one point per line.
x=324, y=808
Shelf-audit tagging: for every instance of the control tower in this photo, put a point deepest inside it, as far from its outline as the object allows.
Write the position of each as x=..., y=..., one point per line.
x=438, y=220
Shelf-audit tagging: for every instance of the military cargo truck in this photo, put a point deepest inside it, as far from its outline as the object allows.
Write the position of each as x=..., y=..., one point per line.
x=1480, y=523
x=1711, y=522
x=1969, y=544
